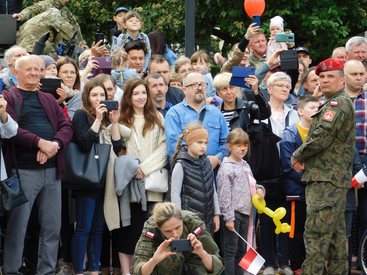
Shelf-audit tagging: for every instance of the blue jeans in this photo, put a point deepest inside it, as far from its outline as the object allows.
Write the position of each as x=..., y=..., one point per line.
x=88, y=233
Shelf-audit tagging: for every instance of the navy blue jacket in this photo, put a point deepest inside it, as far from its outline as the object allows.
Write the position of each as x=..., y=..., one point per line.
x=290, y=179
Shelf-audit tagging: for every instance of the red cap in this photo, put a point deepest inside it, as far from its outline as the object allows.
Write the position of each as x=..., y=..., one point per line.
x=329, y=64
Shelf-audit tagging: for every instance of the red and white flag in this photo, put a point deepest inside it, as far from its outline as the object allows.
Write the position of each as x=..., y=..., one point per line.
x=252, y=261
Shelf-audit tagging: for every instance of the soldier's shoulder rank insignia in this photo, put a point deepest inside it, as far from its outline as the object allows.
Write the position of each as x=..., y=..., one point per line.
x=328, y=116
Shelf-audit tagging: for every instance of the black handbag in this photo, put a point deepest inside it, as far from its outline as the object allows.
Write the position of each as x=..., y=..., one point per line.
x=86, y=170
x=12, y=194
x=264, y=157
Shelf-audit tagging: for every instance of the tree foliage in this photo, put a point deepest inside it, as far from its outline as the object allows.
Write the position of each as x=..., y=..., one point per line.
x=319, y=25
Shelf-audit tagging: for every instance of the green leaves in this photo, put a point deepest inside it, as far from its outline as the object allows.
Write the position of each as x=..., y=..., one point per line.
x=320, y=25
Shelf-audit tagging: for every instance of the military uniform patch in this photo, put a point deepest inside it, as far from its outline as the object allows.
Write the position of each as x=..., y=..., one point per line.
x=328, y=116
x=149, y=235
x=333, y=103
x=198, y=231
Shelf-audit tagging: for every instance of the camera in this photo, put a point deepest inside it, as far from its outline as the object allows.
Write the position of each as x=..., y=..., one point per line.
x=110, y=104
x=181, y=245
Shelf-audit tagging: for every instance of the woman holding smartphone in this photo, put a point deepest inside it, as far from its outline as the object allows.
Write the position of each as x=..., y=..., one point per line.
x=89, y=123
x=168, y=223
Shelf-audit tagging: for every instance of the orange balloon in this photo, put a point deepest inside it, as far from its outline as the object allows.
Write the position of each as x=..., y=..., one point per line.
x=254, y=7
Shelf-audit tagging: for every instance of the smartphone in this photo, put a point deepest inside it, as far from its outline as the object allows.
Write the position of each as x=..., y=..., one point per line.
x=288, y=60
x=49, y=85
x=256, y=19
x=111, y=104
x=284, y=37
x=98, y=37
x=105, y=66
x=1, y=86
x=181, y=245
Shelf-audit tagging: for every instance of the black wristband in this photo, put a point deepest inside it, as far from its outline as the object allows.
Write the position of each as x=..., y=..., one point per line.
x=243, y=44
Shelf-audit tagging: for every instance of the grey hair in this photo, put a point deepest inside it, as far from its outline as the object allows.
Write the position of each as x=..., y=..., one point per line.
x=10, y=52
x=336, y=50
x=185, y=81
x=27, y=58
x=278, y=76
x=355, y=41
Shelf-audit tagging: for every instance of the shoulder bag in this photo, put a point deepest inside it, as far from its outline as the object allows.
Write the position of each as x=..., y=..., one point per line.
x=12, y=194
x=86, y=170
x=157, y=181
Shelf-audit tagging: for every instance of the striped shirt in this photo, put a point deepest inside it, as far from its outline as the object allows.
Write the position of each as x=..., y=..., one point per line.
x=228, y=115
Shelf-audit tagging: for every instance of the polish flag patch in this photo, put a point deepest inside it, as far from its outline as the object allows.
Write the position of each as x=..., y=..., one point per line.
x=252, y=261
x=149, y=235
x=198, y=231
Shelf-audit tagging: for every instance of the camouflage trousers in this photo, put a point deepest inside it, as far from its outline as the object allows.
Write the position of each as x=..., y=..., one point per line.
x=324, y=234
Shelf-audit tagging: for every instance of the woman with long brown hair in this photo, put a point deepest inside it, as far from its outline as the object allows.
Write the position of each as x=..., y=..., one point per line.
x=88, y=124
x=148, y=143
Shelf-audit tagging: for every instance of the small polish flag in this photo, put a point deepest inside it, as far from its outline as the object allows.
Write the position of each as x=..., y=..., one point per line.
x=149, y=235
x=198, y=231
x=252, y=261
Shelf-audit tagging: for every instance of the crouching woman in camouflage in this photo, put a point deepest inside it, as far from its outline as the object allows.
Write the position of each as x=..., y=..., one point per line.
x=153, y=253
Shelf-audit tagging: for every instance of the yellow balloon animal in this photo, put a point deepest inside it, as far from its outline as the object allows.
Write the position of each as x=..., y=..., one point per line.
x=276, y=215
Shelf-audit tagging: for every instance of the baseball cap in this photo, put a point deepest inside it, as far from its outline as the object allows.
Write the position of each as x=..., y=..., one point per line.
x=121, y=9
x=302, y=49
x=329, y=64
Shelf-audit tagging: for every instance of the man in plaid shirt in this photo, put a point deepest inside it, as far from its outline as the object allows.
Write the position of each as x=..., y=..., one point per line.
x=355, y=77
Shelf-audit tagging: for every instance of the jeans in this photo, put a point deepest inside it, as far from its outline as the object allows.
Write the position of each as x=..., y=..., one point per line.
x=233, y=247
x=88, y=232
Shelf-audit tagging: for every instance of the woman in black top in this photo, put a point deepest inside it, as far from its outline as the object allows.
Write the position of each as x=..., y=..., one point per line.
x=88, y=124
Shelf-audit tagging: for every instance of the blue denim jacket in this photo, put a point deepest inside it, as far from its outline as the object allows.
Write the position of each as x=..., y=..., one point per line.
x=182, y=114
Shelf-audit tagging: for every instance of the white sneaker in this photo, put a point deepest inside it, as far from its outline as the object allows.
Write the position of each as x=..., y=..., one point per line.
x=285, y=270
x=269, y=271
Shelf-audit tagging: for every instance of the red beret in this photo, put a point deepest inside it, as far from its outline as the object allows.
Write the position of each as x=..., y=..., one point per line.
x=329, y=64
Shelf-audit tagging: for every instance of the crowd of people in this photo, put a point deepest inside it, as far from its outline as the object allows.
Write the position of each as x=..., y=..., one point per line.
x=294, y=137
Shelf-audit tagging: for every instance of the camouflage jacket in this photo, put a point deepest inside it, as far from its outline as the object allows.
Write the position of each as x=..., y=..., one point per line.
x=42, y=6
x=328, y=149
x=49, y=21
x=181, y=263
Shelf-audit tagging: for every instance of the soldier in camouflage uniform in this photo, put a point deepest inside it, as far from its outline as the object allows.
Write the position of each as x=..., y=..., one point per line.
x=49, y=21
x=326, y=155
x=152, y=253
x=65, y=23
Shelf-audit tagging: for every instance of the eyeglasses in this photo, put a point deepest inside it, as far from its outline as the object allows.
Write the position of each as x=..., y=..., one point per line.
x=196, y=85
x=283, y=86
